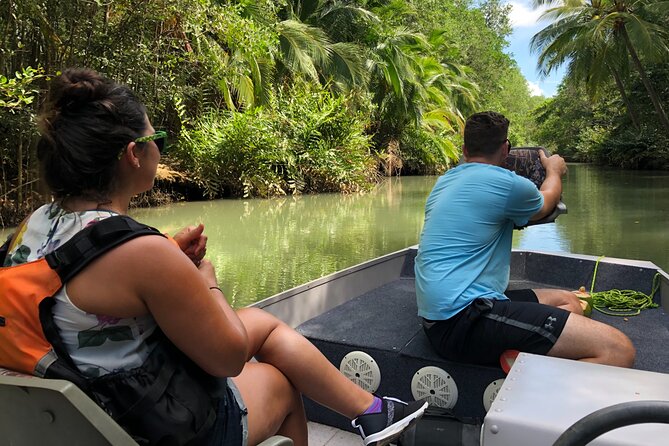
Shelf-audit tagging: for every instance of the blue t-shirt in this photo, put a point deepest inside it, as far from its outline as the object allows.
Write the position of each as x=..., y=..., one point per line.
x=465, y=247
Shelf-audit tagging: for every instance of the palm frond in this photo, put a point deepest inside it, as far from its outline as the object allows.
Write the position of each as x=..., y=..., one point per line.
x=303, y=47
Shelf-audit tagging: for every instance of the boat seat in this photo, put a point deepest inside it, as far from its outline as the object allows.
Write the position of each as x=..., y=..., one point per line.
x=56, y=412
x=383, y=324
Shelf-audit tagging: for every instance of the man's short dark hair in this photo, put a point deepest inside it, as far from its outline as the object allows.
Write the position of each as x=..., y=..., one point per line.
x=485, y=132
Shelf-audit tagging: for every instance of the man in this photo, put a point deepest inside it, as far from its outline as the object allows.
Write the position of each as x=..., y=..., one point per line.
x=463, y=262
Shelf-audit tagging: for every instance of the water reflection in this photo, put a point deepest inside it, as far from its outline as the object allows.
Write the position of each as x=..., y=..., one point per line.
x=261, y=247
x=611, y=212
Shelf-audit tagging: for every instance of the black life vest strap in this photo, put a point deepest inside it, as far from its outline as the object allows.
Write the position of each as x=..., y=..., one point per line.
x=93, y=241
x=155, y=390
x=68, y=260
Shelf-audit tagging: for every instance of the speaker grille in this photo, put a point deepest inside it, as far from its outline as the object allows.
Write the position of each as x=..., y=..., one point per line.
x=436, y=386
x=490, y=393
x=361, y=368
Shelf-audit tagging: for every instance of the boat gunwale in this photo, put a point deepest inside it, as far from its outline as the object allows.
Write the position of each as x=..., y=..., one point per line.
x=316, y=295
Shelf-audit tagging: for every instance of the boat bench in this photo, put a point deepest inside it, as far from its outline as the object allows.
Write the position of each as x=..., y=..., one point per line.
x=383, y=323
x=56, y=412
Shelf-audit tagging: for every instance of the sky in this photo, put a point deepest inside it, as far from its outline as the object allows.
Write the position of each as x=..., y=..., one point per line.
x=525, y=22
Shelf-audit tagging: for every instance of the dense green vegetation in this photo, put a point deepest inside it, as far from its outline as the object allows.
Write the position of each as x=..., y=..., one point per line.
x=612, y=106
x=264, y=97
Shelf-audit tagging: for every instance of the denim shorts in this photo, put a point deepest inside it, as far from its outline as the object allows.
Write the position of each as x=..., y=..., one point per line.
x=231, y=427
x=481, y=332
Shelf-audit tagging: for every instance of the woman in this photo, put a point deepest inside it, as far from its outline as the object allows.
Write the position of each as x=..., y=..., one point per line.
x=98, y=150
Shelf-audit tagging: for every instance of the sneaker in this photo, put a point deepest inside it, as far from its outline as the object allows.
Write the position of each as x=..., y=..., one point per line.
x=379, y=429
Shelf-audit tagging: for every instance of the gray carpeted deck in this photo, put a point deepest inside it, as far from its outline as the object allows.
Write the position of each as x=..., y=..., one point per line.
x=384, y=324
x=385, y=318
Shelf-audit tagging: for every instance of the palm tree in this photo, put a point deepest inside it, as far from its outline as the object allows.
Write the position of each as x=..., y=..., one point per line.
x=307, y=51
x=345, y=47
x=600, y=36
x=413, y=87
x=314, y=42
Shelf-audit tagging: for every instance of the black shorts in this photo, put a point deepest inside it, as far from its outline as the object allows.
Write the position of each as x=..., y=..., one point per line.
x=486, y=328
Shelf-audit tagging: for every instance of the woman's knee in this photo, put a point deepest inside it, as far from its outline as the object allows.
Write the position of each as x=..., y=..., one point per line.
x=270, y=398
x=257, y=316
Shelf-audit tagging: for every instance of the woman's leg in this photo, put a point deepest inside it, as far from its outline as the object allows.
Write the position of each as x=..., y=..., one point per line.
x=273, y=342
x=274, y=405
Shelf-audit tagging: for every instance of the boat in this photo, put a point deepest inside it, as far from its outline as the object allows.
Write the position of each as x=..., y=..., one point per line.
x=364, y=319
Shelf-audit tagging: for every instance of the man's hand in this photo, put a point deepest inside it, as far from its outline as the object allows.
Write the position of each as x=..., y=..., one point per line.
x=551, y=188
x=553, y=164
x=192, y=242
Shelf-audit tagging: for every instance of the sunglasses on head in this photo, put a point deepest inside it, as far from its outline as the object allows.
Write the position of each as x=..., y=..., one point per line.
x=160, y=138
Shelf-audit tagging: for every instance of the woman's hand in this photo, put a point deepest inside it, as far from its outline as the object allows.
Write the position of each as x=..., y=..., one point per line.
x=192, y=242
x=208, y=272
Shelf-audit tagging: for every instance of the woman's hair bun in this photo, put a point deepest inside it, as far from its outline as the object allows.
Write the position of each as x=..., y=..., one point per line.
x=78, y=86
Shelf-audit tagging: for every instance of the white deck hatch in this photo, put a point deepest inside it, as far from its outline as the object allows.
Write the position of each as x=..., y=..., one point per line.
x=544, y=396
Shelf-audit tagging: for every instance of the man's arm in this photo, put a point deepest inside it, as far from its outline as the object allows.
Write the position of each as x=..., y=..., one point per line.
x=551, y=188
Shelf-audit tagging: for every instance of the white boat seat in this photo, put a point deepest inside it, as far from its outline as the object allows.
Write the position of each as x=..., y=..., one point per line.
x=56, y=412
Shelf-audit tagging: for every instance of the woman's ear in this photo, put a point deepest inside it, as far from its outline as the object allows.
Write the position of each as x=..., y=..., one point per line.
x=129, y=155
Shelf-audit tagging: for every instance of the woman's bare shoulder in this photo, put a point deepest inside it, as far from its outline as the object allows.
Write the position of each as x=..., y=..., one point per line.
x=118, y=283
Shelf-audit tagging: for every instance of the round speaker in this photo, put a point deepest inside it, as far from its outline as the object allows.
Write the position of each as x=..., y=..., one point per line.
x=436, y=386
x=361, y=368
x=490, y=393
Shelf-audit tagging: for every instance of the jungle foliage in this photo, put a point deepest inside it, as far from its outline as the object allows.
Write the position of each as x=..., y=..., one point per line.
x=264, y=97
x=612, y=105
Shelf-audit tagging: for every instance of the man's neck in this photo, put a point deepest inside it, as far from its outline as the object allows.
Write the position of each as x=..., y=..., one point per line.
x=495, y=160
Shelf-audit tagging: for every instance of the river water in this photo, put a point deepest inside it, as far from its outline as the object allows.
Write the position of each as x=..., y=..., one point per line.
x=261, y=247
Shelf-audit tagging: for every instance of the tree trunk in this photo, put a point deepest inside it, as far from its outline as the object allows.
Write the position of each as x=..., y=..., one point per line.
x=654, y=98
x=19, y=168
x=623, y=94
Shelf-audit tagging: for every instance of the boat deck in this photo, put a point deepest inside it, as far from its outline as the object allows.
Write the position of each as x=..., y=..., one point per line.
x=323, y=435
x=382, y=322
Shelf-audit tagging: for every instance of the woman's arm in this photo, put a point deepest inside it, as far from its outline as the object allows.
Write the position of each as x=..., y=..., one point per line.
x=150, y=274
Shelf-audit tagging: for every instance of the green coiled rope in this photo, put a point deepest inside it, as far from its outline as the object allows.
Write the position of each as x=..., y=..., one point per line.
x=622, y=302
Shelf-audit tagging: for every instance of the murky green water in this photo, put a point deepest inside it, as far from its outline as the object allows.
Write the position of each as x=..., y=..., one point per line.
x=611, y=212
x=261, y=247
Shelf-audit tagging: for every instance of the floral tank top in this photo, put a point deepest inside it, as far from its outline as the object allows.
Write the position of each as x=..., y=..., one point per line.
x=98, y=344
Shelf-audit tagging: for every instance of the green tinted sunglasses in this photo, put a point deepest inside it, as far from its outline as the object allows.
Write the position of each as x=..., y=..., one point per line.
x=159, y=137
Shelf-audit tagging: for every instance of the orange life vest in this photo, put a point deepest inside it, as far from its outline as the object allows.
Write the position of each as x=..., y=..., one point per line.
x=24, y=289
x=167, y=400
